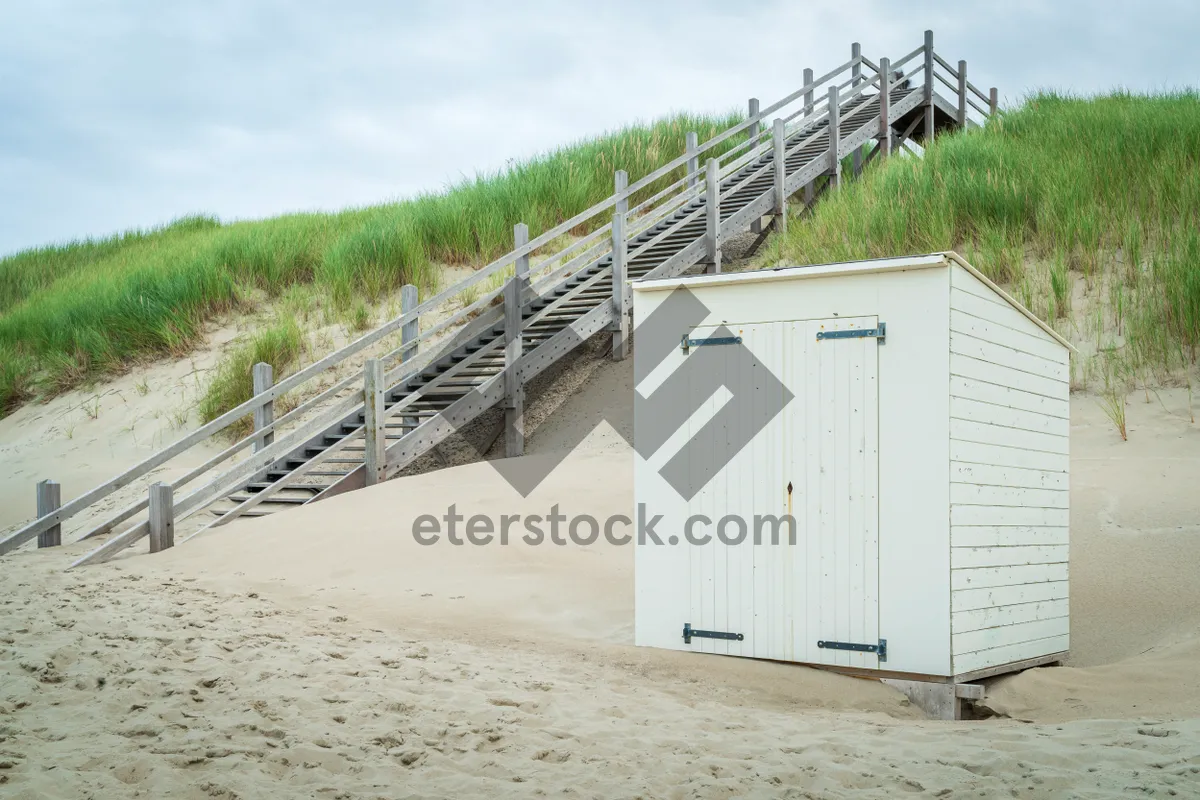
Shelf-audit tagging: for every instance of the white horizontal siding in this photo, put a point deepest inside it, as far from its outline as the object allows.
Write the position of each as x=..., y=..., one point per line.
x=987, y=474
x=1001, y=635
x=999, y=312
x=1007, y=515
x=1003, y=455
x=1009, y=491
x=965, y=557
x=990, y=577
x=1010, y=535
x=1010, y=653
x=996, y=596
x=966, y=366
x=985, y=433
x=997, y=395
x=999, y=616
x=970, y=494
x=962, y=321
x=1005, y=416
x=1004, y=356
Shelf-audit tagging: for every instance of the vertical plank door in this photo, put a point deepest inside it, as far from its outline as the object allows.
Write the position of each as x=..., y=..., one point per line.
x=837, y=463
x=785, y=597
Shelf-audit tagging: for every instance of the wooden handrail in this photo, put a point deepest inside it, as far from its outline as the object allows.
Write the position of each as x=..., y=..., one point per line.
x=662, y=203
x=945, y=65
x=900, y=62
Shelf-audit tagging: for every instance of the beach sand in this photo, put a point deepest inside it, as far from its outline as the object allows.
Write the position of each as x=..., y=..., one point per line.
x=323, y=653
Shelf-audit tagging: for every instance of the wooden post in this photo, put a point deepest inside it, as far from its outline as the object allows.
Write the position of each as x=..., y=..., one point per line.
x=620, y=323
x=264, y=415
x=928, y=88
x=712, y=218
x=693, y=162
x=809, y=188
x=162, y=517
x=962, y=94
x=780, y=143
x=993, y=100
x=373, y=422
x=885, y=107
x=521, y=265
x=514, y=399
x=411, y=330
x=752, y=108
x=49, y=500
x=835, y=138
x=409, y=333
x=856, y=76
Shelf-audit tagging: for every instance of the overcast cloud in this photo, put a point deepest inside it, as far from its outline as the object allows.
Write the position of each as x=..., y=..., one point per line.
x=127, y=114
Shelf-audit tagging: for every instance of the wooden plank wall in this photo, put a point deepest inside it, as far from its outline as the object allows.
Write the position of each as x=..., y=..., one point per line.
x=1009, y=461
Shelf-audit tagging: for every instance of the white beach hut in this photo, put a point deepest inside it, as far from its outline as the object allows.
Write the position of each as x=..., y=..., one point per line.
x=910, y=416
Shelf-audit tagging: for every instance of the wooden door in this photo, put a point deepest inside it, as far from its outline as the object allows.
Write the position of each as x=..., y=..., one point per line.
x=817, y=461
x=837, y=463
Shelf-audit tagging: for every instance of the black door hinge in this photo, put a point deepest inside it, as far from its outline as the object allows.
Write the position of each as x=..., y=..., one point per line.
x=689, y=632
x=687, y=344
x=879, y=333
x=880, y=648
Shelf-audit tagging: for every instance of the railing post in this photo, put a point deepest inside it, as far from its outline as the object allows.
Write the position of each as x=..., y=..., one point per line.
x=752, y=108
x=712, y=218
x=856, y=77
x=885, y=107
x=809, y=188
x=410, y=330
x=409, y=334
x=962, y=94
x=49, y=500
x=993, y=100
x=263, y=378
x=693, y=162
x=928, y=88
x=514, y=395
x=780, y=143
x=620, y=322
x=835, y=138
x=373, y=422
x=162, y=517
x=521, y=265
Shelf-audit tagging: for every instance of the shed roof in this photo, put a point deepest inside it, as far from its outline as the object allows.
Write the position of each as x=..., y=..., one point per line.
x=871, y=266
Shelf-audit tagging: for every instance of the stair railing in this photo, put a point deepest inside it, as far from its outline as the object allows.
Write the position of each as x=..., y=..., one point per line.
x=807, y=107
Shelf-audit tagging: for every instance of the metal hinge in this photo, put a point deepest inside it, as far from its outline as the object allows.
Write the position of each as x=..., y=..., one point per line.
x=880, y=648
x=856, y=333
x=687, y=343
x=689, y=633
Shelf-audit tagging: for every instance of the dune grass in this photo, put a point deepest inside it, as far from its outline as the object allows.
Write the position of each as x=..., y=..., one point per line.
x=280, y=344
x=1103, y=189
x=71, y=313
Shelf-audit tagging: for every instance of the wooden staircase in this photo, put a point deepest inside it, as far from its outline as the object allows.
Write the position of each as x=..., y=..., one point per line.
x=465, y=368
x=350, y=434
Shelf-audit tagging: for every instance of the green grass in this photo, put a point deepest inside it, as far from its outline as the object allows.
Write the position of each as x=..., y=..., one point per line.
x=76, y=312
x=232, y=384
x=1104, y=189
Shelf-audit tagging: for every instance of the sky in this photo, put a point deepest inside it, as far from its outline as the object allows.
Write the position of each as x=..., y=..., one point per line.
x=119, y=115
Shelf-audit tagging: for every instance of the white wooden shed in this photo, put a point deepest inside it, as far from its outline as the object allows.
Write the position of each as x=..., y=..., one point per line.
x=923, y=455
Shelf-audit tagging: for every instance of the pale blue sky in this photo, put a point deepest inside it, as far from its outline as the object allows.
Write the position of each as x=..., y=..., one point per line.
x=125, y=114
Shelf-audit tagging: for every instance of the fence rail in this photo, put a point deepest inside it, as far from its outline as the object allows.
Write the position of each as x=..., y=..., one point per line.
x=803, y=117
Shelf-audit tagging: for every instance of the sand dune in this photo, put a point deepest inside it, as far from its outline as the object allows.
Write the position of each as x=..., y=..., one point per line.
x=324, y=653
